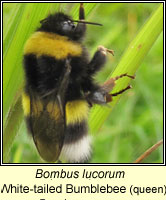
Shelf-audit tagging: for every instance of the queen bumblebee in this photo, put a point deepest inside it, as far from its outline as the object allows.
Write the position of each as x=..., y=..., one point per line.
x=60, y=89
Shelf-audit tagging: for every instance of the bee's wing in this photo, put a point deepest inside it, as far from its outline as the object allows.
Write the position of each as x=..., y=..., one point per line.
x=47, y=118
x=47, y=123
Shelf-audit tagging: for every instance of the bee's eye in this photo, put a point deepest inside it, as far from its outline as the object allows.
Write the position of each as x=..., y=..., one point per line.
x=68, y=25
x=68, y=22
x=65, y=23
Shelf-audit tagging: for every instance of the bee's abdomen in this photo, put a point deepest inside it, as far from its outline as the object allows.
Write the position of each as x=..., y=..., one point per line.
x=77, y=143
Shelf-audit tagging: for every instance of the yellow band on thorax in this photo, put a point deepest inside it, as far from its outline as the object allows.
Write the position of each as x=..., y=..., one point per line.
x=50, y=44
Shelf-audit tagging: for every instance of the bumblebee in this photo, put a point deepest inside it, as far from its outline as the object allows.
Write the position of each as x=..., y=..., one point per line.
x=60, y=89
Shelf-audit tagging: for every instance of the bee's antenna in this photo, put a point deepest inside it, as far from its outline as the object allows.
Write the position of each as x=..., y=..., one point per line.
x=85, y=22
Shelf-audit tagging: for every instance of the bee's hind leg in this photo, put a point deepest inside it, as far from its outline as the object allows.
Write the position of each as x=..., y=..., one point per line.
x=102, y=95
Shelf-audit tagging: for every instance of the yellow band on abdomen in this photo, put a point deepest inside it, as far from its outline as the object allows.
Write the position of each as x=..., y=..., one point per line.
x=34, y=107
x=26, y=104
x=76, y=111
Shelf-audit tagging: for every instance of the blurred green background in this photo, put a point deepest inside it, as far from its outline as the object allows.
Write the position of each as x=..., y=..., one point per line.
x=136, y=122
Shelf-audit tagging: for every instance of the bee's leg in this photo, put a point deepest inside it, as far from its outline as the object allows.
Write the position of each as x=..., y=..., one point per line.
x=81, y=12
x=98, y=60
x=102, y=96
x=95, y=65
x=109, y=96
x=109, y=85
x=81, y=27
x=63, y=84
x=97, y=96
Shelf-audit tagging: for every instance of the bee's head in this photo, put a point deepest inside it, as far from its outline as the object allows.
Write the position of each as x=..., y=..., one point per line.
x=62, y=24
x=59, y=23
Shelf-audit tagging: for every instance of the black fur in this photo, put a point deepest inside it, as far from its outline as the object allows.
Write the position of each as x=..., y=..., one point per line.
x=54, y=24
x=75, y=132
x=43, y=72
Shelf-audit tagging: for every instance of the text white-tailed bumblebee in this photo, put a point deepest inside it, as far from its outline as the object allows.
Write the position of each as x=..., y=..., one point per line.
x=60, y=89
